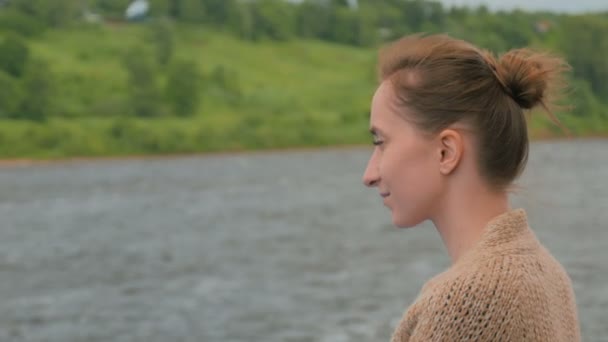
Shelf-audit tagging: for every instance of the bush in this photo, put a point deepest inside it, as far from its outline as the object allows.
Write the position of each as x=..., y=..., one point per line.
x=224, y=82
x=143, y=90
x=54, y=13
x=17, y=22
x=9, y=96
x=189, y=10
x=183, y=88
x=351, y=27
x=37, y=103
x=13, y=55
x=585, y=104
x=274, y=19
x=109, y=106
x=161, y=37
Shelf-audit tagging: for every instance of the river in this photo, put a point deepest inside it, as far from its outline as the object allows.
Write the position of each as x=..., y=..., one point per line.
x=279, y=246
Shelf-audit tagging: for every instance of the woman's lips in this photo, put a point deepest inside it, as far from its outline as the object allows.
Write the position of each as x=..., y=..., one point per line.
x=385, y=194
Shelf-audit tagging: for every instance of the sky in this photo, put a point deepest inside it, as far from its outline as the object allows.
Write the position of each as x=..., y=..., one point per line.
x=567, y=6
x=562, y=6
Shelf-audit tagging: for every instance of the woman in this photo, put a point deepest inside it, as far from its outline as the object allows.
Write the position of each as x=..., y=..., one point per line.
x=448, y=123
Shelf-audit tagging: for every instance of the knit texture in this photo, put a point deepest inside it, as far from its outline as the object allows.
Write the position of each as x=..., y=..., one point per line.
x=506, y=288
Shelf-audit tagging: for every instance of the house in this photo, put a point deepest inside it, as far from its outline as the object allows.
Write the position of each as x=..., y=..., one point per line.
x=542, y=26
x=137, y=10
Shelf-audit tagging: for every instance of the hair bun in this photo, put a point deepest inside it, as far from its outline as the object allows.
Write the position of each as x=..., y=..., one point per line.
x=525, y=75
x=523, y=78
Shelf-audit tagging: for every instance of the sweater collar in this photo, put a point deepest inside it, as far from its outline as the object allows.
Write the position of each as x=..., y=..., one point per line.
x=506, y=232
x=505, y=228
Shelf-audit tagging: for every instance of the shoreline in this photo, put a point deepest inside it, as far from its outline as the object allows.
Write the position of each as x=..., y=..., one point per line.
x=26, y=162
x=77, y=160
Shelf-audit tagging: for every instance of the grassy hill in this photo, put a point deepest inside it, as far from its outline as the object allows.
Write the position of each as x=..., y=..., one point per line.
x=287, y=94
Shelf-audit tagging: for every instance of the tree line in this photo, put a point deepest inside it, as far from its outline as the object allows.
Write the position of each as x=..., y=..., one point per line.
x=582, y=39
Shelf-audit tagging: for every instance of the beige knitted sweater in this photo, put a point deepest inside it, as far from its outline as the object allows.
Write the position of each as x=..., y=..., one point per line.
x=506, y=288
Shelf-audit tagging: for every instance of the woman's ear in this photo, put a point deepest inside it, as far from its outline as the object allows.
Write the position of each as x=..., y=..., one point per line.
x=451, y=149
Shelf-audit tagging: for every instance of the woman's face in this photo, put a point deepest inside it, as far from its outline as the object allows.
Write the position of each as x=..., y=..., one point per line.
x=404, y=164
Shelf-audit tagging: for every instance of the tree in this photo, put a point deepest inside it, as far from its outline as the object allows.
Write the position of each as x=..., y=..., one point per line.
x=188, y=10
x=585, y=43
x=224, y=82
x=38, y=83
x=351, y=27
x=339, y=3
x=161, y=36
x=273, y=19
x=111, y=7
x=244, y=25
x=515, y=30
x=414, y=14
x=312, y=20
x=13, y=55
x=52, y=13
x=17, y=22
x=158, y=8
x=221, y=12
x=10, y=96
x=183, y=88
x=388, y=19
x=143, y=90
x=585, y=103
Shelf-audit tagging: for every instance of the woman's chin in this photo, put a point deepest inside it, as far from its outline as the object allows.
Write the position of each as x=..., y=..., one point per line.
x=401, y=220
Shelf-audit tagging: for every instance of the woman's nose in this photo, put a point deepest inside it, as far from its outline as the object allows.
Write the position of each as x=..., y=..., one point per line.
x=370, y=176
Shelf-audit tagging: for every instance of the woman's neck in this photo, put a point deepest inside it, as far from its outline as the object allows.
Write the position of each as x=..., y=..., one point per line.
x=462, y=219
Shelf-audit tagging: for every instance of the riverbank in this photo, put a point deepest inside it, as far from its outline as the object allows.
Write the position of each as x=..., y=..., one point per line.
x=29, y=162
x=25, y=162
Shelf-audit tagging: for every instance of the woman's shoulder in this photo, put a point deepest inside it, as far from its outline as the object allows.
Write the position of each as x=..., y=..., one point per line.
x=505, y=273
x=503, y=292
x=475, y=281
